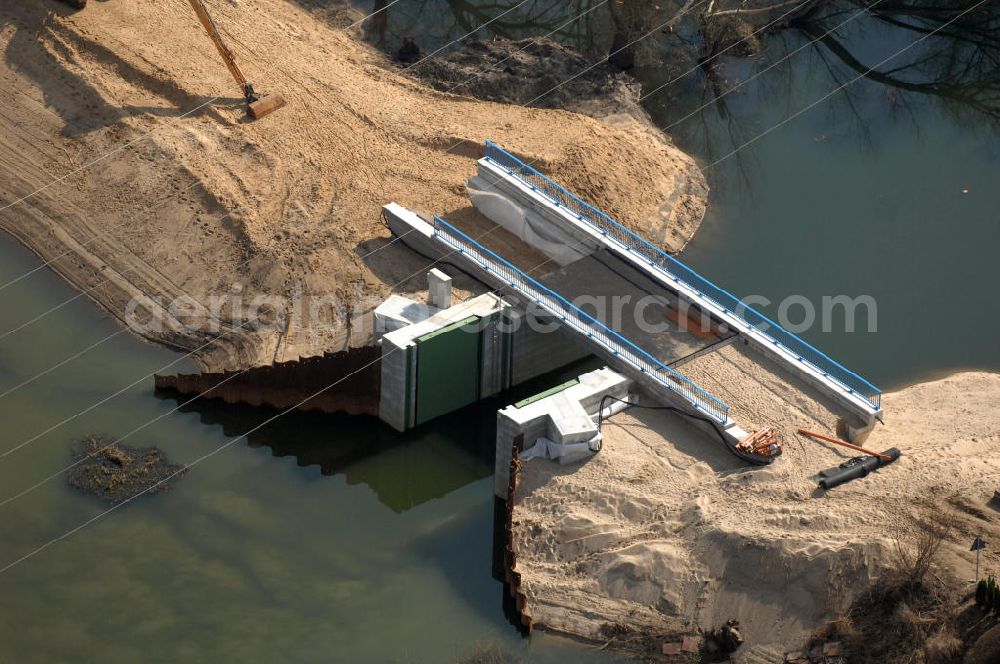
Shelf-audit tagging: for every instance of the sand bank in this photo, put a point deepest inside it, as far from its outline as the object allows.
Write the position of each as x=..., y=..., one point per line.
x=664, y=529
x=289, y=205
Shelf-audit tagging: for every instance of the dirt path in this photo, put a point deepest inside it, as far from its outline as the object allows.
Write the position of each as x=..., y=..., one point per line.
x=286, y=207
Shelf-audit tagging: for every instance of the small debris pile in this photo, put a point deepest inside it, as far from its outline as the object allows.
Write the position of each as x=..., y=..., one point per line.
x=117, y=473
x=724, y=640
x=689, y=644
x=409, y=52
x=763, y=442
x=712, y=646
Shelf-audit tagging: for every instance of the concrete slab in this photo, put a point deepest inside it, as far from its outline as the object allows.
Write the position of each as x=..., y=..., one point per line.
x=397, y=312
x=637, y=307
x=482, y=305
x=568, y=420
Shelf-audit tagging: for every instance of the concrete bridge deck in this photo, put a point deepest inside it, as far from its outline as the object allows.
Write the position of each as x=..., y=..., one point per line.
x=555, y=212
x=625, y=286
x=626, y=300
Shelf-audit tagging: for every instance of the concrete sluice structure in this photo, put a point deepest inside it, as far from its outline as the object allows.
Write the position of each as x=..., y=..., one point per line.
x=460, y=355
x=649, y=315
x=604, y=292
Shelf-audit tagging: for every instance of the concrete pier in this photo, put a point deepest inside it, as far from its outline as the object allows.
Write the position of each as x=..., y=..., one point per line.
x=438, y=365
x=567, y=413
x=435, y=361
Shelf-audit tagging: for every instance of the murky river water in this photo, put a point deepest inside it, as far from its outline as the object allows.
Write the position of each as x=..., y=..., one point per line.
x=379, y=550
x=254, y=555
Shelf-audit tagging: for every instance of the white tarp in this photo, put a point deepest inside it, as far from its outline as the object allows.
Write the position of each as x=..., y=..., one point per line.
x=563, y=453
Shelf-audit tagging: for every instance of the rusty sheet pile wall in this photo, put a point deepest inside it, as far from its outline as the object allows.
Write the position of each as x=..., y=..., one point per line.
x=286, y=384
x=512, y=578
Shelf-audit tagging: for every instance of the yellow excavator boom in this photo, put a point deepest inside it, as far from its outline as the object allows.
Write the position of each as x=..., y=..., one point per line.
x=257, y=105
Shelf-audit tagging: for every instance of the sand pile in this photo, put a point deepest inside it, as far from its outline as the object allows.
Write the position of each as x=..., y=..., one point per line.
x=664, y=528
x=213, y=204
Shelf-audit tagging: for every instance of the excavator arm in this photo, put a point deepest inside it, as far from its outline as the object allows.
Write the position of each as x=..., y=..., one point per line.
x=227, y=56
x=257, y=105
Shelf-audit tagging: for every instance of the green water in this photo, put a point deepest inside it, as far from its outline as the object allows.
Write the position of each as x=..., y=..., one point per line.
x=319, y=539
x=899, y=205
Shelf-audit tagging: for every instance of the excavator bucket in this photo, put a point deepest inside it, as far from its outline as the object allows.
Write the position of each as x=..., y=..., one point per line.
x=265, y=105
x=257, y=105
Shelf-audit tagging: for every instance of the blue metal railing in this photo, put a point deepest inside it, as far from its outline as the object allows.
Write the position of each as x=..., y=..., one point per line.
x=571, y=315
x=676, y=270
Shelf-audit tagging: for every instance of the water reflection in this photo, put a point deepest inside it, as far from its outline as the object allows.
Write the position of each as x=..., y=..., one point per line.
x=915, y=53
x=960, y=62
x=718, y=45
x=404, y=470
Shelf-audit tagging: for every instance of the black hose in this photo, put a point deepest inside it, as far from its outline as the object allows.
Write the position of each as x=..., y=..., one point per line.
x=715, y=426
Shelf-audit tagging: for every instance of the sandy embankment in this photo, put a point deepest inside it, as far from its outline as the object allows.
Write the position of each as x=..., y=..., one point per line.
x=663, y=529
x=285, y=204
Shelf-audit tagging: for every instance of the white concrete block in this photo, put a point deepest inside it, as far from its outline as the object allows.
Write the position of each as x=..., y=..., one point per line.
x=398, y=312
x=439, y=285
x=569, y=406
x=568, y=421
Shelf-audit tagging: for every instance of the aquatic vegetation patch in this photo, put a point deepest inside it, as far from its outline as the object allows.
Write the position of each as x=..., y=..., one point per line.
x=117, y=473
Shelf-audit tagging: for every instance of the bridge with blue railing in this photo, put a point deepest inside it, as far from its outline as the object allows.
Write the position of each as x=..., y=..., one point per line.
x=686, y=282
x=598, y=258
x=600, y=335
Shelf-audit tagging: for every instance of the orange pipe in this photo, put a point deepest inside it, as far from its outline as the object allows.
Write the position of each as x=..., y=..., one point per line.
x=845, y=444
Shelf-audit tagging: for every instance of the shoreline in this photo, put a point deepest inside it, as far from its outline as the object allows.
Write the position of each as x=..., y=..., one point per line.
x=939, y=375
x=664, y=531
x=289, y=204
